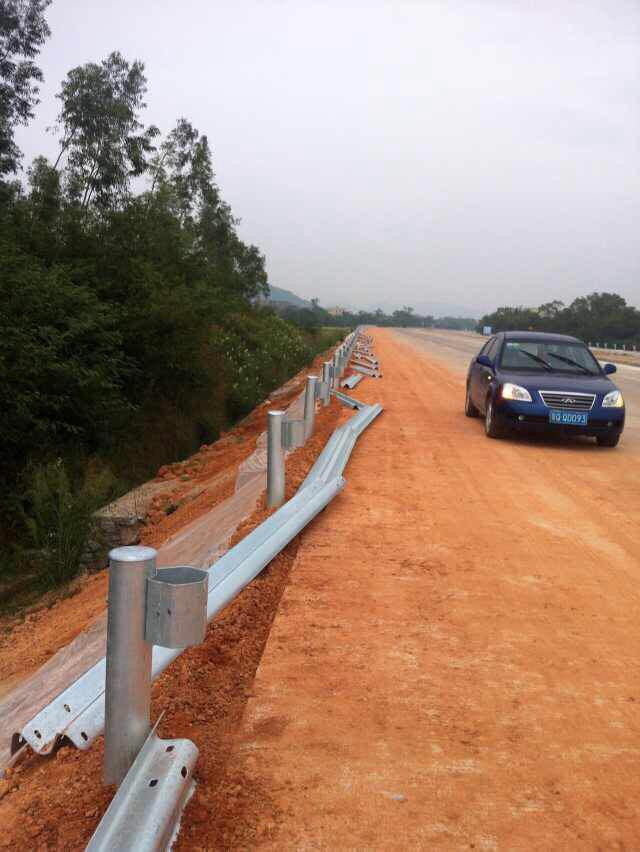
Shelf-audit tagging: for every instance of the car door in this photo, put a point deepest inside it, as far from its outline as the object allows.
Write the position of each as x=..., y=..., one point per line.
x=481, y=375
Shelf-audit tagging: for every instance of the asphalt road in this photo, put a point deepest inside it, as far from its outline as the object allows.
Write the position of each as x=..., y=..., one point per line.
x=455, y=349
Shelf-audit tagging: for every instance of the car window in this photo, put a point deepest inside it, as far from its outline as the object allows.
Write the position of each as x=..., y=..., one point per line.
x=545, y=355
x=492, y=349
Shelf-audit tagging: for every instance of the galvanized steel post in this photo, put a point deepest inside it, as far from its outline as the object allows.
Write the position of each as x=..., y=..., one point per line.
x=310, y=406
x=326, y=381
x=336, y=369
x=128, y=665
x=275, y=458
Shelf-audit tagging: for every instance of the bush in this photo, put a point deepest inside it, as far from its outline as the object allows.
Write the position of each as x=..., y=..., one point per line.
x=62, y=368
x=260, y=352
x=58, y=520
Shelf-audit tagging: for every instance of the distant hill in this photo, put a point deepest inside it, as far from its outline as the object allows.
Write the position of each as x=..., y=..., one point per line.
x=277, y=294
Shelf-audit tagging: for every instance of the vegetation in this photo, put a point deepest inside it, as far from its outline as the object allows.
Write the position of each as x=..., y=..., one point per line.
x=598, y=318
x=316, y=316
x=132, y=320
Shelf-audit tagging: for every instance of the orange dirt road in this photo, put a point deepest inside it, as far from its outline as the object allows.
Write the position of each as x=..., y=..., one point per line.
x=455, y=663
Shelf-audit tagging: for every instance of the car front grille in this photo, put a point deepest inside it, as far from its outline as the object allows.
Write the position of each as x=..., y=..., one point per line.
x=568, y=400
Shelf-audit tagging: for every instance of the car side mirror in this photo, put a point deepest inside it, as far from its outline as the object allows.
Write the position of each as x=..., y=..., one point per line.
x=610, y=368
x=485, y=361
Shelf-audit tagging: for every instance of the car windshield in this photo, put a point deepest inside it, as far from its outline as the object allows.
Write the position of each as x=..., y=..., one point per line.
x=540, y=356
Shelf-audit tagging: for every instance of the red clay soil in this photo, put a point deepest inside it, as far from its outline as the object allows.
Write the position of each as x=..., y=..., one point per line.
x=31, y=638
x=455, y=663
x=57, y=802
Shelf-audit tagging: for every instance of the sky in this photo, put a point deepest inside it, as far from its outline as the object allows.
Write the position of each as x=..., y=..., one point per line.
x=451, y=156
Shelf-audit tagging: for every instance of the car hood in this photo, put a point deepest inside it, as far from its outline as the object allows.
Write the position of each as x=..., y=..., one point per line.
x=558, y=381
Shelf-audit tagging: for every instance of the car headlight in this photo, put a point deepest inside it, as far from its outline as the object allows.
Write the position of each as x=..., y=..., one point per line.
x=516, y=392
x=613, y=399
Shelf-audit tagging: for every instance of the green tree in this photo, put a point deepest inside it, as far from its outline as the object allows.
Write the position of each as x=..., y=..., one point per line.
x=103, y=140
x=61, y=362
x=23, y=30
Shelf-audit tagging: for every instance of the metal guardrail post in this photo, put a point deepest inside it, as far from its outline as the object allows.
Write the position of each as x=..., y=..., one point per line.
x=336, y=369
x=326, y=381
x=310, y=406
x=147, y=606
x=275, y=458
x=128, y=670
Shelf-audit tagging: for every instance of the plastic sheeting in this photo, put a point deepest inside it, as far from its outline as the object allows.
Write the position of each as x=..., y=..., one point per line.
x=198, y=544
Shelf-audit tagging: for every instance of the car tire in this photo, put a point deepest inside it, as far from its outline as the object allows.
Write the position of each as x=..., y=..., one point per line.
x=491, y=426
x=469, y=408
x=608, y=440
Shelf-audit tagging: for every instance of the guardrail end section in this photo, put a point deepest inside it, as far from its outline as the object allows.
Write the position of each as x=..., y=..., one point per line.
x=144, y=813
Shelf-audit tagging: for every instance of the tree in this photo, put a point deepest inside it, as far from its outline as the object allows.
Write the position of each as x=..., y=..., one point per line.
x=184, y=165
x=23, y=30
x=102, y=137
x=405, y=317
x=61, y=361
x=596, y=317
x=551, y=310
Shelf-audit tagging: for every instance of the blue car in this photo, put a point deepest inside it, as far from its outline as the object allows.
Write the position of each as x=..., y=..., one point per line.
x=549, y=382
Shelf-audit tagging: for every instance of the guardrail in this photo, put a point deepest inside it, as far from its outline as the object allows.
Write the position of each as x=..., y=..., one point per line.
x=616, y=347
x=155, y=613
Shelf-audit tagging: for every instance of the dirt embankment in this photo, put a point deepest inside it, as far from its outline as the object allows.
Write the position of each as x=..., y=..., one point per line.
x=193, y=487
x=56, y=802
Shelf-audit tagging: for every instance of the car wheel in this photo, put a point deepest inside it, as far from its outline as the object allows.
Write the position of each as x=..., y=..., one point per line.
x=469, y=408
x=608, y=440
x=491, y=425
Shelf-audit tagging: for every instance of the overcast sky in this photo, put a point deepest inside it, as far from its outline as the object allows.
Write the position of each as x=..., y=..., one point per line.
x=452, y=154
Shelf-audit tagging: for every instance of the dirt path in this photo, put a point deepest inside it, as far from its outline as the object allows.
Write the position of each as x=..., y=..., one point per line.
x=456, y=660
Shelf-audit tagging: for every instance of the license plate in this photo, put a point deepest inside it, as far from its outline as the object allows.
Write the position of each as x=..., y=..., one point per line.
x=568, y=418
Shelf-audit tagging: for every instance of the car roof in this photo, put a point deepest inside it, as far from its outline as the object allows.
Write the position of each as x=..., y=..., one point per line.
x=538, y=335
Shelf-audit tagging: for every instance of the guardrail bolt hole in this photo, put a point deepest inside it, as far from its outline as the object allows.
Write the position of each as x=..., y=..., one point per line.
x=84, y=736
x=153, y=782
x=169, y=748
x=184, y=772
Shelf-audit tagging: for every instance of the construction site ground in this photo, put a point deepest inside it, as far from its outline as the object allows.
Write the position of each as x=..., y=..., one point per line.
x=448, y=657
x=455, y=662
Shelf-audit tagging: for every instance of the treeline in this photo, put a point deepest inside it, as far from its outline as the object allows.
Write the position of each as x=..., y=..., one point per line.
x=317, y=317
x=131, y=327
x=597, y=318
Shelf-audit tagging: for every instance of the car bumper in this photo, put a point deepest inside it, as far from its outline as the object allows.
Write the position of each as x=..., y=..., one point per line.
x=535, y=416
